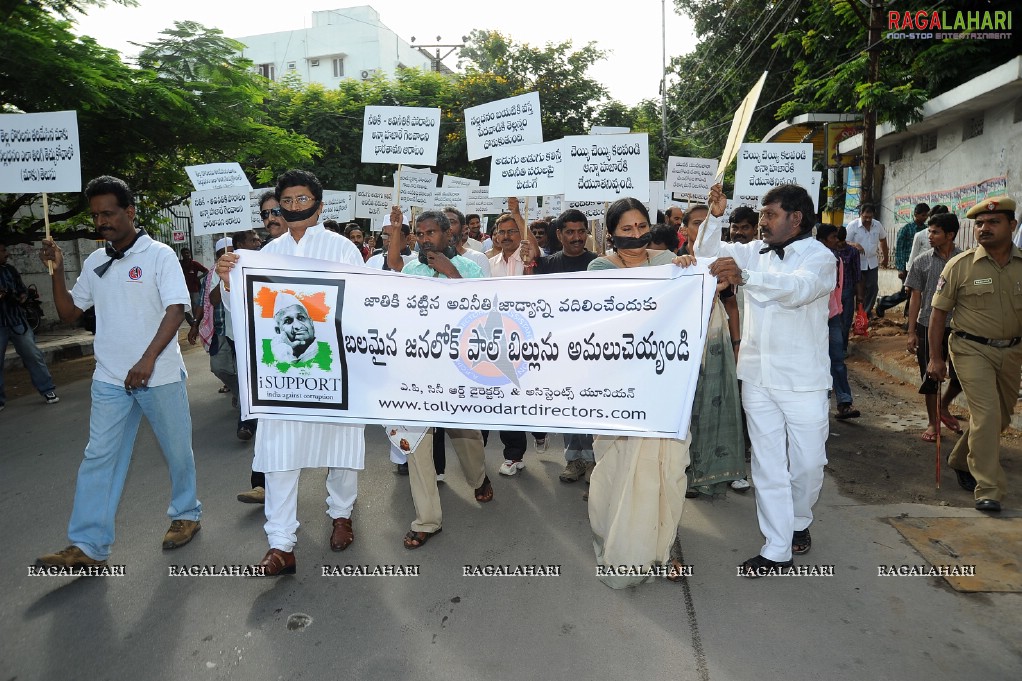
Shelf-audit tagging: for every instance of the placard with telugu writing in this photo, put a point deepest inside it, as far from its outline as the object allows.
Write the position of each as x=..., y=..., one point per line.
x=690, y=178
x=400, y=134
x=764, y=166
x=503, y=123
x=373, y=202
x=606, y=167
x=527, y=170
x=221, y=211
x=217, y=176
x=40, y=152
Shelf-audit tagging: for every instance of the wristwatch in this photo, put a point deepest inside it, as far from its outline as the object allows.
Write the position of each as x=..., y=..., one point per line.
x=745, y=277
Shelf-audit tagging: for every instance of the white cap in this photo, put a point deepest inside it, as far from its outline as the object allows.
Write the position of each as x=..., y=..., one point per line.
x=223, y=244
x=284, y=301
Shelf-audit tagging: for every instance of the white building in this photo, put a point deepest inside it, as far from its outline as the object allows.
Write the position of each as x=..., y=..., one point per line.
x=341, y=43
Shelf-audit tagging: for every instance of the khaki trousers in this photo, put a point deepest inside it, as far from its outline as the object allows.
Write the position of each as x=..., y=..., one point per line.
x=990, y=381
x=468, y=444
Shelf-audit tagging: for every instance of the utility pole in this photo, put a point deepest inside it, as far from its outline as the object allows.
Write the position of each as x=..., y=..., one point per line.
x=869, y=116
x=663, y=85
x=436, y=61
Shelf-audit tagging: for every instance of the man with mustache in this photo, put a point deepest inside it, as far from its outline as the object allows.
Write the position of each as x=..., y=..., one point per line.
x=982, y=288
x=283, y=448
x=572, y=231
x=269, y=212
x=784, y=365
x=138, y=290
x=437, y=258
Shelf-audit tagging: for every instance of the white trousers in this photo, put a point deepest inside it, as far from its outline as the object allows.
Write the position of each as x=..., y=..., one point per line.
x=788, y=431
x=282, y=503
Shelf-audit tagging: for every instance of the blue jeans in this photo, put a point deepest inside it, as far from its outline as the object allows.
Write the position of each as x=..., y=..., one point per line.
x=838, y=370
x=31, y=357
x=578, y=447
x=113, y=425
x=847, y=313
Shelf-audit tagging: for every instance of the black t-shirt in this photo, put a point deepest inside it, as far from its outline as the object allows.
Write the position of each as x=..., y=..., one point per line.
x=559, y=262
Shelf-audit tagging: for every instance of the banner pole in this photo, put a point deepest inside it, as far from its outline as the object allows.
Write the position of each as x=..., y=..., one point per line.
x=46, y=223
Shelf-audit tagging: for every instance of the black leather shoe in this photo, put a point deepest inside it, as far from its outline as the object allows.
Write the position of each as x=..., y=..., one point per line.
x=988, y=505
x=965, y=480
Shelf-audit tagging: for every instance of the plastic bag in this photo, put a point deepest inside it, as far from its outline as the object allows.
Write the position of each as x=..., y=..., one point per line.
x=860, y=324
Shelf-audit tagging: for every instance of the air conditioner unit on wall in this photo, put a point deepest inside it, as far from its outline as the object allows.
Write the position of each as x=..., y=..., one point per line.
x=369, y=73
x=313, y=62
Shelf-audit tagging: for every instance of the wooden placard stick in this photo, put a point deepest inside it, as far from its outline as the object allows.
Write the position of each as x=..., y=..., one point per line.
x=46, y=224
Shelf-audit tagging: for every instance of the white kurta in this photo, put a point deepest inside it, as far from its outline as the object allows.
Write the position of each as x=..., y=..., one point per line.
x=290, y=445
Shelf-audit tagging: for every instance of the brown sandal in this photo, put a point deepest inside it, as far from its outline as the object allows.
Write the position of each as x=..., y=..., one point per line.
x=676, y=572
x=484, y=492
x=415, y=540
x=342, y=535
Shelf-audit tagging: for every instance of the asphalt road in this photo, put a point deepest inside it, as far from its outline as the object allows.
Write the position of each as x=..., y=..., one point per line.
x=852, y=626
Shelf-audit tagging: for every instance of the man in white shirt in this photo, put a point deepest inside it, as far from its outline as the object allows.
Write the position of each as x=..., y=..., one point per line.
x=138, y=290
x=867, y=235
x=784, y=364
x=283, y=448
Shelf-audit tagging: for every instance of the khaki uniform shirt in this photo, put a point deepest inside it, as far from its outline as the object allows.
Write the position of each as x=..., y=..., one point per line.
x=986, y=298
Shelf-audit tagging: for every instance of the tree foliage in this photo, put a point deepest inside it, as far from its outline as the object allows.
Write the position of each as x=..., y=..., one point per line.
x=189, y=100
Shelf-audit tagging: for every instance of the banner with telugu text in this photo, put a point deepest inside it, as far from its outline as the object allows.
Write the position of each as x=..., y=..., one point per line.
x=611, y=352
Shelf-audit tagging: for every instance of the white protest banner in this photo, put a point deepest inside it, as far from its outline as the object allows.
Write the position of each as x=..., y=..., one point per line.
x=479, y=201
x=606, y=167
x=253, y=202
x=690, y=178
x=593, y=210
x=39, y=152
x=553, y=204
x=415, y=187
x=527, y=170
x=338, y=205
x=598, y=357
x=656, y=199
x=220, y=211
x=609, y=130
x=373, y=202
x=455, y=182
x=400, y=134
x=504, y=123
x=763, y=166
x=217, y=176
x=454, y=198
x=739, y=126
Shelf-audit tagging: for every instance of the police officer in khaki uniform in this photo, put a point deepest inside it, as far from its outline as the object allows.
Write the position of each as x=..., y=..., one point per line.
x=983, y=288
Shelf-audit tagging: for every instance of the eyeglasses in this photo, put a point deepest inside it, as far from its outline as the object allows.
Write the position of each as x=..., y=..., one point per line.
x=265, y=214
x=508, y=232
x=296, y=201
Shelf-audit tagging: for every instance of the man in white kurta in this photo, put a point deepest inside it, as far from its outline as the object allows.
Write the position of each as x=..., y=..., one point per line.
x=283, y=448
x=784, y=363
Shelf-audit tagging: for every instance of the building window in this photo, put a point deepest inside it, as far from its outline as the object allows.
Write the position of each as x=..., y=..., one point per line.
x=973, y=127
x=928, y=142
x=338, y=67
x=266, y=71
x=896, y=153
x=313, y=62
x=291, y=66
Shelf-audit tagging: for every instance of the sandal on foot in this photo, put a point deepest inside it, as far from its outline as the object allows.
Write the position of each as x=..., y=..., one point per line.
x=484, y=492
x=928, y=437
x=801, y=542
x=847, y=411
x=676, y=571
x=758, y=566
x=416, y=540
x=952, y=423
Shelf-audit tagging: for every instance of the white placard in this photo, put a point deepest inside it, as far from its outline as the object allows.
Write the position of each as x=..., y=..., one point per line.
x=446, y=197
x=373, y=202
x=253, y=200
x=553, y=204
x=690, y=178
x=338, y=205
x=606, y=167
x=221, y=211
x=504, y=123
x=40, y=152
x=527, y=170
x=739, y=126
x=764, y=166
x=609, y=130
x=455, y=182
x=479, y=201
x=217, y=176
x=522, y=353
x=400, y=134
x=416, y=187
x=656, y=199
x=593, y=210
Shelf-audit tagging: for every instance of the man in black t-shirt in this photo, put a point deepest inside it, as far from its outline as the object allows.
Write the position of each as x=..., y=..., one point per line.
x=572, y=231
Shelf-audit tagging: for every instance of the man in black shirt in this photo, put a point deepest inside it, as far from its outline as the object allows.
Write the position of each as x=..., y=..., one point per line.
x=572, y=230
